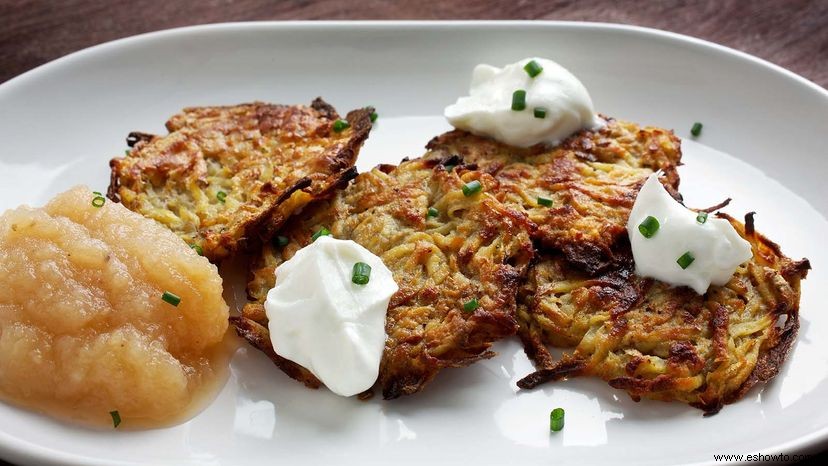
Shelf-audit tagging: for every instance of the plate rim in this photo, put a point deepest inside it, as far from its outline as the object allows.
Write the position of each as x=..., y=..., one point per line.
x=26, y=451
x=436, y=24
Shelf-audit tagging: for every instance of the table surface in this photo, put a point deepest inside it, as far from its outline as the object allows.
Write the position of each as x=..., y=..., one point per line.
x=790, y=33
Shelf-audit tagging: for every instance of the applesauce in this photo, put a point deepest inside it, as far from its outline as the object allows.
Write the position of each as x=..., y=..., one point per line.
x=103, y=311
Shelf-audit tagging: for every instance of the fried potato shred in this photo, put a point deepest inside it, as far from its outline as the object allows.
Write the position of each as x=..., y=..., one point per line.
x=225, y=177
x=581, y=294
x=474, y=249
x=661, y=342
x=591, y=179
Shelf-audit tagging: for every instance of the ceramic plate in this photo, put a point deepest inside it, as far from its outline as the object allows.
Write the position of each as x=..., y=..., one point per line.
x=764, y=144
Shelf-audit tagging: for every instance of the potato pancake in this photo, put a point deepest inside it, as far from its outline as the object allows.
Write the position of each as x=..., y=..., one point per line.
x=577, y=194
x=661, y=342
x=469, y=247
x=225, y=177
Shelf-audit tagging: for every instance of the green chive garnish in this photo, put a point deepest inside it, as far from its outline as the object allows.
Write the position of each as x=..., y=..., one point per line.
x=197, y=249
x=649, y=227
x=221, y=196
x=126, y=151
x=519, y=100
x=432, y=212
x=116, y=418
x=696, y=129
x=471, y=305
x=321, y=232
x=540, y=112
x=544, y=201
x=98, y=201
x=374, y=116
x=362, y=273
x=450, y=167
x=281, y=241
x=97, y=193
x=685, y=260
x=171, y=298
x=556, y=419
x=702, y=217
x=340, y=126
x=471, y=188
x=532, y=68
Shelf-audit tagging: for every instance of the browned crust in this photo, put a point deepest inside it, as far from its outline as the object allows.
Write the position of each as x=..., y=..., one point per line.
x=270, y=203
x=268, y=222
x=327, y=109
x=590, y=207
x=135, y=137
x=716, y=207
x=771, y=357
x=343, y=160
x=114, y=184
x=267, y=230
x=557, y=372
x=478, y=248
x=770, y=361
x=258, y=336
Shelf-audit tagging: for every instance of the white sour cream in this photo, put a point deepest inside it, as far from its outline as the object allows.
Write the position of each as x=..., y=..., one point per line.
x=323, y=321
x=715, y=245
x=487, y=110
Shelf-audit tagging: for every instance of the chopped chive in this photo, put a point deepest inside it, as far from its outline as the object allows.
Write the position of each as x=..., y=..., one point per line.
x=532, y=68
x=540, y=112
x=519, y=100
x=556, y=419
x=471, y=188
x=696, y=129
x=702, y=217
x=197, y=249
x=171, y=298
x=374, y=116
x=471, y=305
x=340, y=126
x=649, y=227
x=126, y=151
x=450, y=167
x=544, y=201
x=321, y=232
x=685, y=260
x=361, y=274
x=116, y=418
x=97, y=193
x=221, y=196
x=98, y=201
x=432, y=212
x=281, y=241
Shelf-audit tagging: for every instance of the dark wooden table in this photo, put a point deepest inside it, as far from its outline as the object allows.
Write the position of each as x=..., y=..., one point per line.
x=790, y=33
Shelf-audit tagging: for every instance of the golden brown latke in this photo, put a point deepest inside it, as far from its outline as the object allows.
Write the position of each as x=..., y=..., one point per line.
x=592, y=179
x=661, y=342
x=224, y=177
x=474, y=249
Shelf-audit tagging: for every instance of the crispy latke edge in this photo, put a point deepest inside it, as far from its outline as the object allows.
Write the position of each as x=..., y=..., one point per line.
x=259, y=336
x=767, y=366
x=265, y=223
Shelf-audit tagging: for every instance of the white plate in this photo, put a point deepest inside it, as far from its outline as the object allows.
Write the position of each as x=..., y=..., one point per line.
x=60, y=124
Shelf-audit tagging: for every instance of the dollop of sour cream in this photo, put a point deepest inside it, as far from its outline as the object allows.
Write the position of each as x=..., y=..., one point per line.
x=714, y=245
x=487, y=110
x=323, y=321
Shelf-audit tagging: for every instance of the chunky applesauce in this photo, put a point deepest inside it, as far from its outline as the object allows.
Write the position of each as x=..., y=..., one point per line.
x=106, y=315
